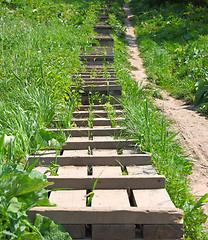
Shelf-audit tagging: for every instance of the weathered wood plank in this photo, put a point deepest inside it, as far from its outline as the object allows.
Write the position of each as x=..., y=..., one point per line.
x=153, y=199
x=91, y=215
x=97, y=142
x=113, y=232
x=81, y=158
x=113, y=199
x=174, y=231
x=98, y=113
x=113, y=182
x=72, y=199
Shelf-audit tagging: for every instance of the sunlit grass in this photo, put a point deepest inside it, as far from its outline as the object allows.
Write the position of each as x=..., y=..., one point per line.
x=172, y=39
x=153, y=133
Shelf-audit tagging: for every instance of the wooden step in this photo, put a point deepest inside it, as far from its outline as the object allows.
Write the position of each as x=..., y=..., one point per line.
x=103, y=142
x=100, y=157
x=82, y=132
x=103, y=98
x=98, y=113
x=83, y=122
x=97, y=83
x=98, y=107
x=103, y=19
x=99, y=68
x=93, y=59
x=112, y=209
x=99, y=51
x=88, y=78
x=96, y=75
x=103, y=29
x=104, y=41
x=103, y=89
x=109, y=177
x=107, y=89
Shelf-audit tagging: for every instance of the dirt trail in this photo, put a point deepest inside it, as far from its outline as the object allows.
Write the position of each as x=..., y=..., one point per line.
x=193, y=128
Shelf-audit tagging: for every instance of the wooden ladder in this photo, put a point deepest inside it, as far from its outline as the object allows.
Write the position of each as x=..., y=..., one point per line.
x=129, y=200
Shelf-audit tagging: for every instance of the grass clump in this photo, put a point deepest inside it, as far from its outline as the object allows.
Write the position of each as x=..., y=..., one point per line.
x=152, y=131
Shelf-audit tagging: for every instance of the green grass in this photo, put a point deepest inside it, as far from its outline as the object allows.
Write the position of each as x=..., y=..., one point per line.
x=40, y=43
x=153, y=134
x=40, y=46
x=173, y=39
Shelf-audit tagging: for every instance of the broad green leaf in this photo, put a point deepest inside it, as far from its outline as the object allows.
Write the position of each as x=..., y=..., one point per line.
x=14, y=181
x=49, y=229
x=14, y=205
x=31, y=236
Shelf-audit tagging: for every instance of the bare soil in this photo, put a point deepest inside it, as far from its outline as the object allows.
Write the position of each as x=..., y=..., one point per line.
x=193, y=127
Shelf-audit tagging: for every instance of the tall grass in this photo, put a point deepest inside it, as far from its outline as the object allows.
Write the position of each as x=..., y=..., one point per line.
x=40, y=46
x=172, y=38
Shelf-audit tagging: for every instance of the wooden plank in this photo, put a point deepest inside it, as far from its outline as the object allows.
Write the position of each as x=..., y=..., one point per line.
x=100, y=79
x=104, y=152
x=113, y=232
x=98, y=107
x=71, y=199
x=68, y=198
x=72, y=172
x=83, y=132
x=92, y=215
x=141, y=170
x=77, y=181
x=101, y=143
x=81, y=158
x=76, y=231
x=100, y=85
x=153, y=199
x=174, y=231
x=106, y=171
x=75, y=153
x=113, y=199
x=103, y=88
x=96, y=122
x=98, y=113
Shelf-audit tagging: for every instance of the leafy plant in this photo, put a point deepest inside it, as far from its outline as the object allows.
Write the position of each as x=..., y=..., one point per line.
x=111, y=112
x=19, y=191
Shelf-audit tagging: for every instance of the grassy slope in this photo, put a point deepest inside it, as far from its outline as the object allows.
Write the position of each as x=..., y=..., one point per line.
x=148, y=126
x=173, y=43
x=40, y=45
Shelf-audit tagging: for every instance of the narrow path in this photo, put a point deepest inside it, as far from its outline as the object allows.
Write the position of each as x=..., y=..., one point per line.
x=193, y=128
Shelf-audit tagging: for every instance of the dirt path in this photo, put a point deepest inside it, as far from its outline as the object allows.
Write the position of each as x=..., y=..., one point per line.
x=193, y=128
